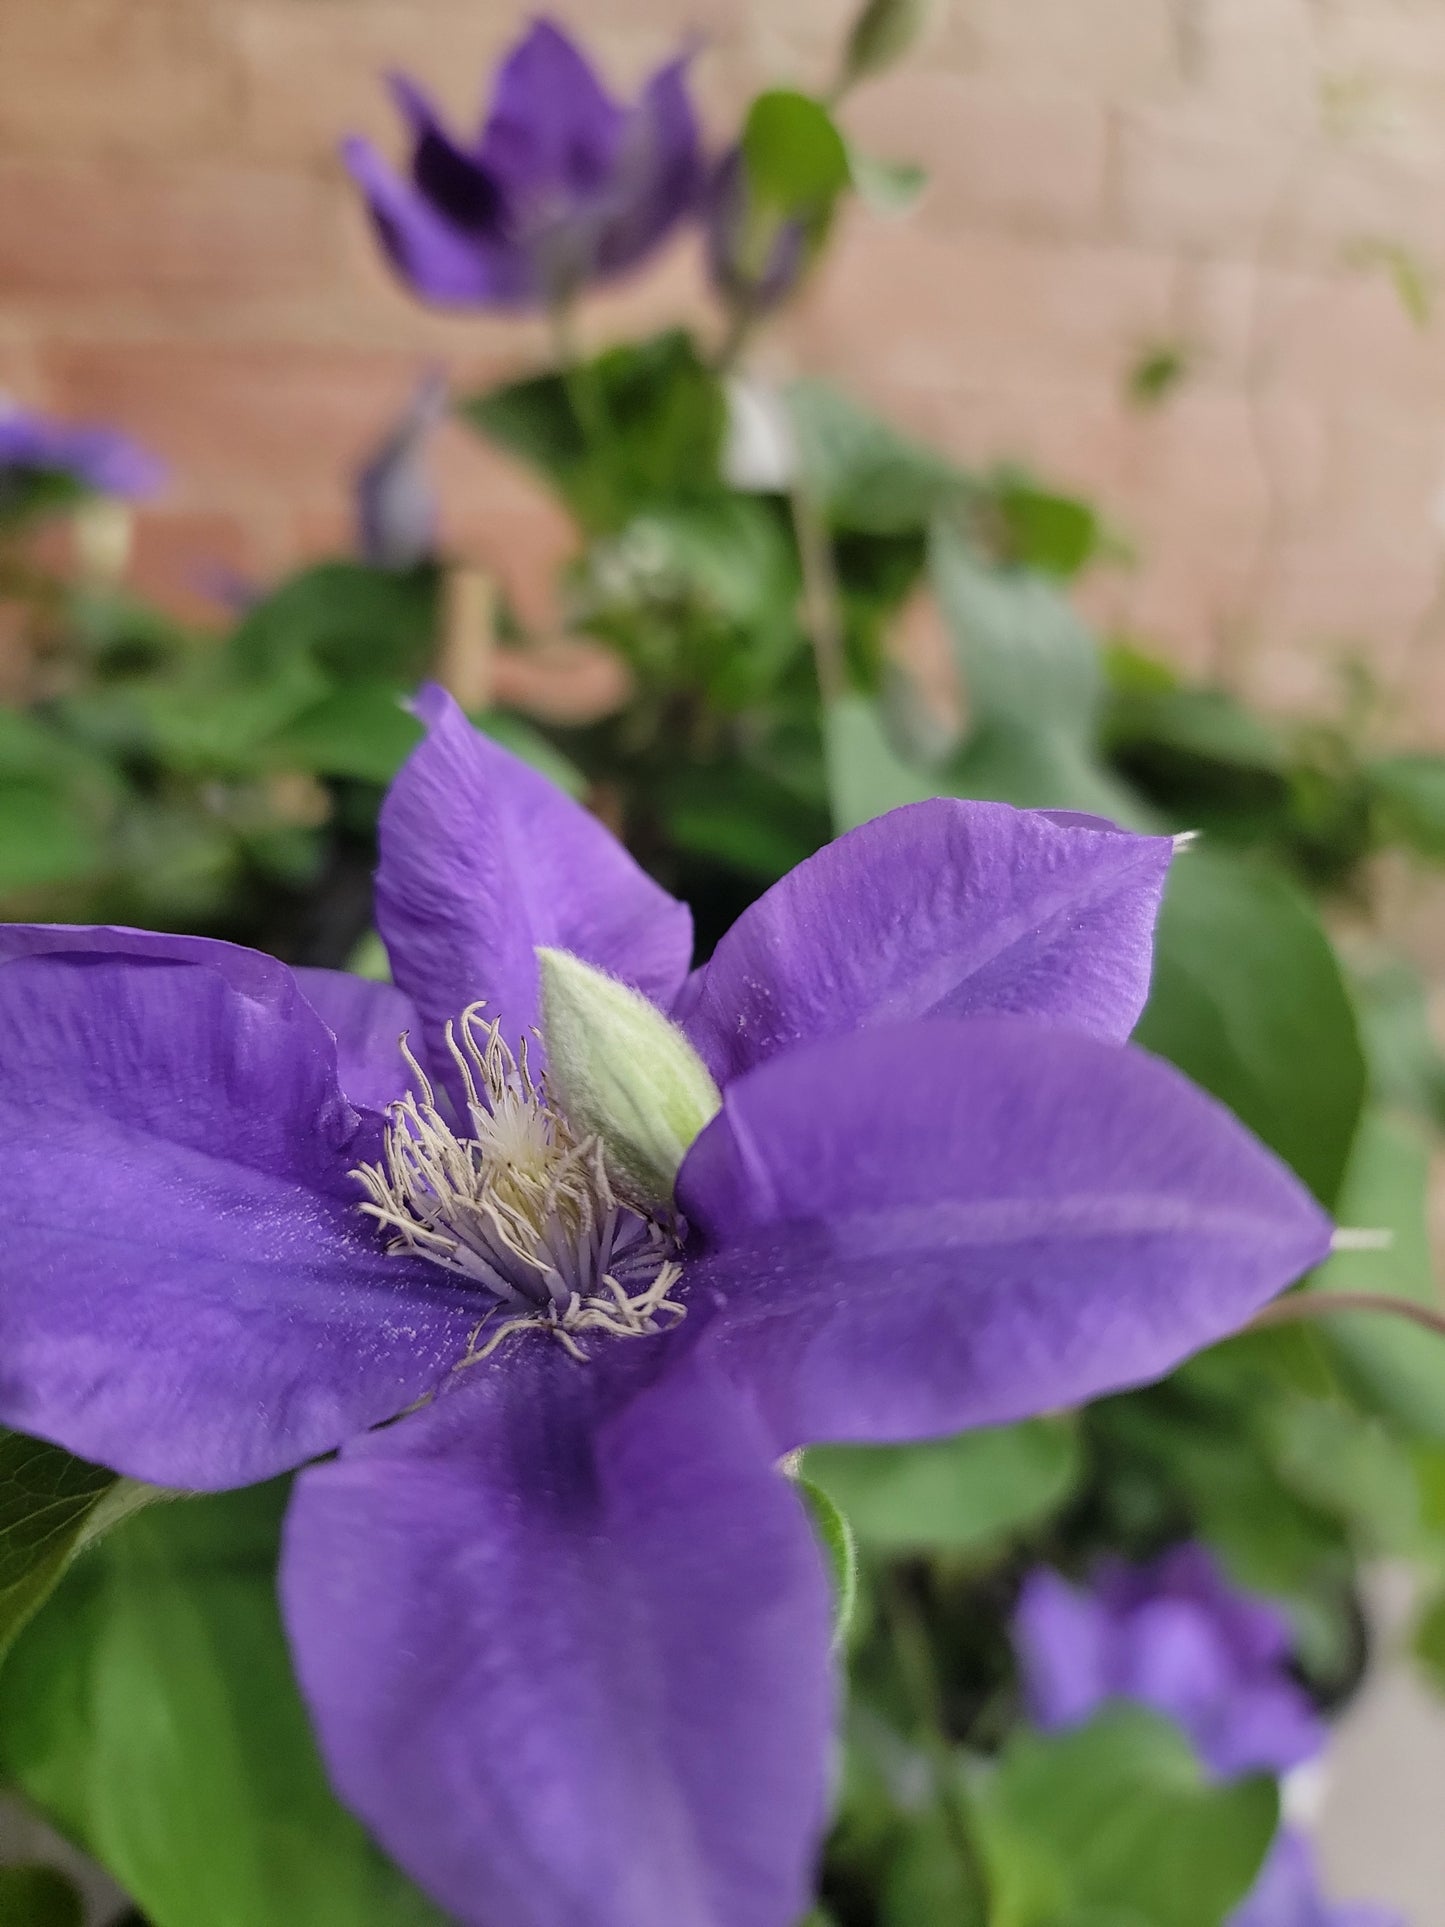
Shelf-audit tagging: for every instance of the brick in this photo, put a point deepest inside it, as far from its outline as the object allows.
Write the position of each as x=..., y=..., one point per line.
x=992, y=150
x=1325, y=336
x=186, y=559
x=1122, y=49
x=1193, y=177
x=1351, y=197
x=1258, y=56
x=917, y=312
x=1364, y=593
x=77, y=231
x=115, y=77
x=238, y=420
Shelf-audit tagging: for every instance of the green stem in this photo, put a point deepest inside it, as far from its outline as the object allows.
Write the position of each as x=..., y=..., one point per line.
x=578, y=378
x=822, y=604
x=920, y=1680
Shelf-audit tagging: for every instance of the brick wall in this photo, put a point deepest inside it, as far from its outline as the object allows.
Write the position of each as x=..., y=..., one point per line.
x=1241, y=181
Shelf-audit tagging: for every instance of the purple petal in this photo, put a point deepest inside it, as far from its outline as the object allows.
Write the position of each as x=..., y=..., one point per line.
x=943, y=1225
x=659, y=170
x=1287, y=1894
x=368, y=1021
x=436, y=258
x=482, y=860
x=455, y=182
x=1061, y=1633
x=566, y=1650
x=190, y=1293
x=941, y=909
x=95, y=456
x=552, y=125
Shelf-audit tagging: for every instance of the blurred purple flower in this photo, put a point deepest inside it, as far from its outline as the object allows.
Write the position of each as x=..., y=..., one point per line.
x=562, y=186
x=1175, y=1636
x=563, y=1629
x=93, y=457
x=754, y=287
x=1287, y=1894
x=397, y=512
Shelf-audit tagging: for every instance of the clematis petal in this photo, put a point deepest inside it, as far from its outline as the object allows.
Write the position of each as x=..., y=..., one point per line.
x=189, y=1292
x=482, y=860
x=1287, y=1894
x=1061, y=1633
x=944, y=1225
x=455, y=182
x=552, y=124
x=565, y=1644
x=368, y=1021
x=434, y=256
x=659, y=173
x=940, y=909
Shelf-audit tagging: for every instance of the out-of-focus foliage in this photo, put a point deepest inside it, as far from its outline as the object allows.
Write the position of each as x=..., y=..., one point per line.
x=750, y=556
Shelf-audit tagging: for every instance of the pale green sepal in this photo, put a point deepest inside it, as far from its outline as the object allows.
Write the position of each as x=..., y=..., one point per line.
x=621, y=1072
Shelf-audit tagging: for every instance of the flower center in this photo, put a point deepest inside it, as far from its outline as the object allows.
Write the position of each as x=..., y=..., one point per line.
x=518, y=1205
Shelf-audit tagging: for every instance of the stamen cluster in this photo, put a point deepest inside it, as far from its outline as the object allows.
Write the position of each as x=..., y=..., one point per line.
x=519, y=1206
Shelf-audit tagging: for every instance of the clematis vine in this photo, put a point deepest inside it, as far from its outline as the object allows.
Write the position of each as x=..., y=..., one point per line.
x=1176, y=1636
x=562, y=185
x=35, y=448
x=562, y=1626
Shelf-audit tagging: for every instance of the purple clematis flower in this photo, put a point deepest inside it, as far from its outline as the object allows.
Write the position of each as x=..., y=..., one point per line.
x=562, y=186
x=100, y=459
x=1287, y=1894
x=397, y=512
x=563, y=1628
x=1177, y=1636
x=752, y=287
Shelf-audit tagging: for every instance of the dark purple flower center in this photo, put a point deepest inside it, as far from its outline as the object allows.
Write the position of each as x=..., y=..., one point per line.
x=519, y=1205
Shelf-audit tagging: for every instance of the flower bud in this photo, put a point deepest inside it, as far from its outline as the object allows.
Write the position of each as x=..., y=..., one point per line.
x=623, y=1073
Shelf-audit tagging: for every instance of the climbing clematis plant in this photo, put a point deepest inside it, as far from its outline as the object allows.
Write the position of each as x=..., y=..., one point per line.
x=562, y=186
x=556, y=1608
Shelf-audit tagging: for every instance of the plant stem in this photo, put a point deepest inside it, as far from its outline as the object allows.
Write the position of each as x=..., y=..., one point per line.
x=1300, y=1307
x=920, y=1681
x=821, y=607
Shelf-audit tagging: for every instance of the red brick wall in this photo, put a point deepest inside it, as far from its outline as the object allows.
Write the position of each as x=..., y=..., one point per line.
x=180, y=251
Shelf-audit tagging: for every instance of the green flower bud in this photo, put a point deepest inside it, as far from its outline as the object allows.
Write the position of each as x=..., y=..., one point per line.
x=623, y=1073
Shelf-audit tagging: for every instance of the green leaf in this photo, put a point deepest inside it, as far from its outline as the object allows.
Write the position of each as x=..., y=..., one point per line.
x=881, y=34
x=1398, y=1365
x=151, y=1713
x=866, y=775
x=862, y=474
x=888, y=187
x=957, y=1495
x=1429, y=1642
x=346, y=618
x=51, y=1505
x=39, y=1897
x=836, y=1534
x=1249, y=1001
x=927, y=1883
x=1407, y=1066
x=362, y=730
x=641, y=426
x=795, y=159
x=1116, y=1818
x=46, y=836
x=1040, y=529
x=1411, y=798
x=1024, y=656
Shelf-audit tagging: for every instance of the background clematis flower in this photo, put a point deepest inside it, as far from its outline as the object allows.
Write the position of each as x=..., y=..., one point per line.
x=563, y=1628
x=561, y=187
x=1178, y=1637
x=33, y=448
x=1287, y=1894
x=398, y=515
